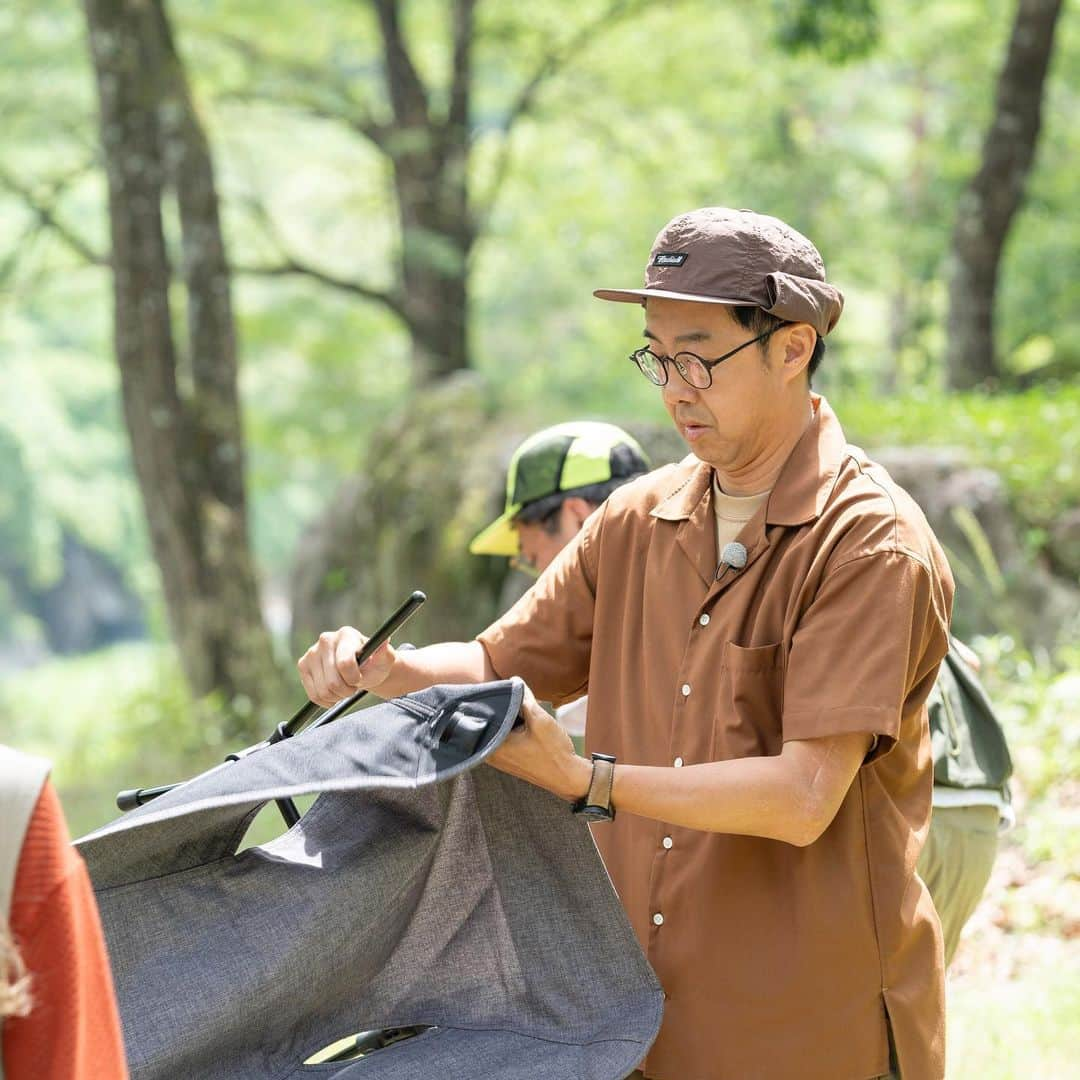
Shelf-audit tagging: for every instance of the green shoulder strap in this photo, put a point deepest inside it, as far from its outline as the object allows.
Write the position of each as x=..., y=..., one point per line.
x=968, y=741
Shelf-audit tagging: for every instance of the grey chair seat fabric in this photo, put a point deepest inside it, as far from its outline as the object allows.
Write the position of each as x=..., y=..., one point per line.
x=417, y=890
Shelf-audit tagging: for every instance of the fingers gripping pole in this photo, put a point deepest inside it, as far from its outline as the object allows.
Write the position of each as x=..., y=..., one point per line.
x=370, y=647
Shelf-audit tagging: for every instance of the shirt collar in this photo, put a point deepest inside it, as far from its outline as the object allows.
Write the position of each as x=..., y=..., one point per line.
x=802, y=488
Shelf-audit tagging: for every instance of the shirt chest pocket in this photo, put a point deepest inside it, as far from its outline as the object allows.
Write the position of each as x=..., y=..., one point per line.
x=750, y=703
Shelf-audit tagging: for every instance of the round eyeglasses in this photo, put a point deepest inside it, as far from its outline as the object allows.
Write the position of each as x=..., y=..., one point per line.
x=695, y=370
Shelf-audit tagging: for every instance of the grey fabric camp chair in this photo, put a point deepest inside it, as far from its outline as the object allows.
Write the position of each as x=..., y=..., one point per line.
x=418, y=891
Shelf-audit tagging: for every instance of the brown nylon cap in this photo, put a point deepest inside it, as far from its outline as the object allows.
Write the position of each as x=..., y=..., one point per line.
x=721, y=256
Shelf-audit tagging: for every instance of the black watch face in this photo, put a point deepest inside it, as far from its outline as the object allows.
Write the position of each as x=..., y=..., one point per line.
x=595, y=813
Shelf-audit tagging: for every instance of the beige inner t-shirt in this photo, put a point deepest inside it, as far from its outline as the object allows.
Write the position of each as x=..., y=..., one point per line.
x=732, y=513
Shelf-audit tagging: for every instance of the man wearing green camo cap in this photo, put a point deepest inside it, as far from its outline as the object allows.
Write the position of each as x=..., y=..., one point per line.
x=556, y=478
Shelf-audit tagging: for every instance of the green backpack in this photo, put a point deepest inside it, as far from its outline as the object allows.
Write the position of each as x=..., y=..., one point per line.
x=967, y=739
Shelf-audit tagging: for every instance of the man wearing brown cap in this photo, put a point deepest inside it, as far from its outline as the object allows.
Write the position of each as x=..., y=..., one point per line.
x=757, y=628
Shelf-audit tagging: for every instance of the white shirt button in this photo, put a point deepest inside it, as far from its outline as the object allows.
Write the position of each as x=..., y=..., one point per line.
x=667, y=842
x=685, y=689
x=678, y=763
x=658, y=919
x=704, y=620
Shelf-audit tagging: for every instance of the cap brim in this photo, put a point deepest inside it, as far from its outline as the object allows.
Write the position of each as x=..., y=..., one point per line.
x=635, y=296
x=499, y=538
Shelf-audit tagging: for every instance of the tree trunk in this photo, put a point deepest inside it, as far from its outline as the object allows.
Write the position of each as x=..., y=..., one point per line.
x=899, y=325
x=436, y=242
x=430, y=162
x=986, y=209
x=181, y=408
x=426, y=140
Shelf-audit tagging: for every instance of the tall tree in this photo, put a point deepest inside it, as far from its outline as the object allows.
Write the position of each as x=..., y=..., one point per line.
x=426, y=134
x=425, y=130
x=179, y=389
x=986, y=209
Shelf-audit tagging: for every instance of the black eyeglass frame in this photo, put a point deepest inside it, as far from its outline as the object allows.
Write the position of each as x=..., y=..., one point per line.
x=663, y=361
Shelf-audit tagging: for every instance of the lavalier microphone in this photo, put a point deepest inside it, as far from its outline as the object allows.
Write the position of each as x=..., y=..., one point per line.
x=733, y=555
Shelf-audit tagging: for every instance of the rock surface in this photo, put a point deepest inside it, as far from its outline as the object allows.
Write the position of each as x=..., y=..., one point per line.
x=428, y=484
x=1001, y=586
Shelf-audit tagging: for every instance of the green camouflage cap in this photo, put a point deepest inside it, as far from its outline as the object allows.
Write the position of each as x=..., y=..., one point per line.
x=559, y=459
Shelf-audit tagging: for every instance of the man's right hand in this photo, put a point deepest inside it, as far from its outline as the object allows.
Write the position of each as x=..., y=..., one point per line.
x=329, y=670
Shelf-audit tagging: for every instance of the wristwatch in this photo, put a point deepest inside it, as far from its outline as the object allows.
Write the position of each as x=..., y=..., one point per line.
x=595, y=804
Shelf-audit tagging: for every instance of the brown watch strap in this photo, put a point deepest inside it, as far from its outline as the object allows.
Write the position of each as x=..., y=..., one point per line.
x=603, y=780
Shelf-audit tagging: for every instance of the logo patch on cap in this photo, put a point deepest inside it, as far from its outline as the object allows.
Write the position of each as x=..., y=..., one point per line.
x=670, y=258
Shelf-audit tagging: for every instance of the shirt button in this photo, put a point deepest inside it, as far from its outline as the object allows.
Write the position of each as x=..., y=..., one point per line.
x=678, y=763
x=658, y=919
x=704, y=620
x=685, y=689
x=667, y=842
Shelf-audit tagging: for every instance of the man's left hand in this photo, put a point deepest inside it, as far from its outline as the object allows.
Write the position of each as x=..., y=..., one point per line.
x=543, y=753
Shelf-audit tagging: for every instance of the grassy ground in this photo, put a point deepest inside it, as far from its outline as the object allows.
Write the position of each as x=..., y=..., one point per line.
x=120, y=719
x=1014, y=986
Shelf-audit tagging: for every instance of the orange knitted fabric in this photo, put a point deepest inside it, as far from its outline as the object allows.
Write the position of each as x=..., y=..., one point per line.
x=73, y=1030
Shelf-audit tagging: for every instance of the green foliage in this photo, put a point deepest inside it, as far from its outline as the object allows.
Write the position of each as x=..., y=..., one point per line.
x=1039, y=703
x=1032, y=439
x=1024, y=1026
x=17, y=517
x=66, y=465
x=858, y=121
x=114, y=719
x=979, y=543
x=838, y=30
x=678, y=105
x=1015, y=1013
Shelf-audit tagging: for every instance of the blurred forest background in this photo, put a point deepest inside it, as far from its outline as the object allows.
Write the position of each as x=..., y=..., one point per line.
x=282, y=285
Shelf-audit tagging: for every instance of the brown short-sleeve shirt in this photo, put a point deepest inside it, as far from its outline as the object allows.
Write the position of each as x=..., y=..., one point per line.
x=777, y=961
